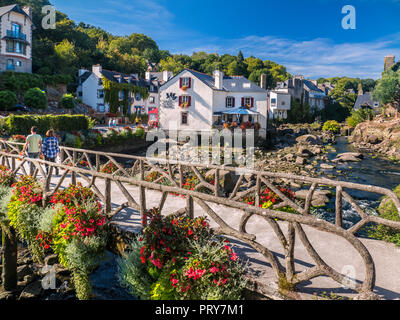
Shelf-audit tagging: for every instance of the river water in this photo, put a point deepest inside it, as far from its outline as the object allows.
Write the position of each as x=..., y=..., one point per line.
x=372, y=170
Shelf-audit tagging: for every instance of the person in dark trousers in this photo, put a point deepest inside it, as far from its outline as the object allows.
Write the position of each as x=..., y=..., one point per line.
x=50, y=149
x=33, y=145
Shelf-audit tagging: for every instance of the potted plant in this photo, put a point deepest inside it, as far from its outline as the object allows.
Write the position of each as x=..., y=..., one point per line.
x=184, y=105
x=184, y=88
x=226, y=125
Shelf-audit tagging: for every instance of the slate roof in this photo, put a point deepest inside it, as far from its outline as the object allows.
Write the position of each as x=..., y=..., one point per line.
x=366, y=100
x=312, y=86
x=114, y=76
x=227, y=82
x=15, y=7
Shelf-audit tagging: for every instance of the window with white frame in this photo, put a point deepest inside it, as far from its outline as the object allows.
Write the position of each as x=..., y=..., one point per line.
x=100, y=94
x=247, y=101
x=185, y=82
x=185, y=99
x=229, y=102
x=273, y=102
x=152, y=99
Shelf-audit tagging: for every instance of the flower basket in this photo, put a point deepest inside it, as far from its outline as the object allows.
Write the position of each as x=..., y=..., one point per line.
x=184, y=105
x=226, y=125
x=184, y=88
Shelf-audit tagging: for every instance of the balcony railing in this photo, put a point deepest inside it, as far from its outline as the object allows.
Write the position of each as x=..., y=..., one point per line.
x=16, y=34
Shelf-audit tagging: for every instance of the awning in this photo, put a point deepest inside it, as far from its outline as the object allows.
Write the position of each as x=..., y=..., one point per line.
x=217, y=114
x=241, y=111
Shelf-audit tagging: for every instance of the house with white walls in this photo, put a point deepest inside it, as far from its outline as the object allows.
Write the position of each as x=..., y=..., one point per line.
x=194, y=101
x=304, y=90
x=279, y=105
x=16, y=38
x=91, y=90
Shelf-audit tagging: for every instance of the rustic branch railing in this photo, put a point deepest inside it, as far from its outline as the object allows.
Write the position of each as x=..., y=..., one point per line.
x=170, y=179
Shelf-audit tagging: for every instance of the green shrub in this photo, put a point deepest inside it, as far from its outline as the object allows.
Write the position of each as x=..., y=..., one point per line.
x=68, y=101
x=22, y=124
x=8, y=99
x=181, y=259
x=359, y=116
x=140, y=133
x=24, y=212
x=331, y=126
x=387, y=210
x=35, y=98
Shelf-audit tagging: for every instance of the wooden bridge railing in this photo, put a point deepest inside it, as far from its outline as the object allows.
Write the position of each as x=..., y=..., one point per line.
x=170, y=178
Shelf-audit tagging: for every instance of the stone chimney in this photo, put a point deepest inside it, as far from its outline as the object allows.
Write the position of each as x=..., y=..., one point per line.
x=167, y=75
x=263, y=81
x=389, y=62
x=97, y=70
x=360, y=90
x=219, y=79
x=28, y=11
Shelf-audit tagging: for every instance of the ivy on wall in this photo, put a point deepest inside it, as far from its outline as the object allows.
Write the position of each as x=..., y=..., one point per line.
x=112, y=98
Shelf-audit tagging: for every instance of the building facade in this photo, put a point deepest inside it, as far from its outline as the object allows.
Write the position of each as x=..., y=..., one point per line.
x=194, y=101
x=16, y=38
x=91, y=90
x=279, y=105
x=306, y=91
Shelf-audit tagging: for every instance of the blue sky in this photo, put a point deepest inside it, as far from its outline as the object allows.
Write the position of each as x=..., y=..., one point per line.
x=305, y=36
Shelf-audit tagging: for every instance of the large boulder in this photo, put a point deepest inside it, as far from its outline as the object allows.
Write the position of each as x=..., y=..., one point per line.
x=309, y=139
x=348, y=157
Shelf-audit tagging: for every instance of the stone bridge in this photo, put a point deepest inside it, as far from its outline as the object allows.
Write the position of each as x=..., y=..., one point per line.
x=292, y=254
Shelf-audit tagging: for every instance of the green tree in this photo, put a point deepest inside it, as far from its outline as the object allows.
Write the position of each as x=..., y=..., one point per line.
x=170, y=64
x=35, y=98
x=388, y=88
x=8, y=99
x=68, y=101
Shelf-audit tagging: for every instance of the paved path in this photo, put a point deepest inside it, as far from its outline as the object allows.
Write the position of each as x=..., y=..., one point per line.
x=336, y=251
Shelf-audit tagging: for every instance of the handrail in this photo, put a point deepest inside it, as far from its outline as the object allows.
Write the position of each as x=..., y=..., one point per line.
x=174, y=174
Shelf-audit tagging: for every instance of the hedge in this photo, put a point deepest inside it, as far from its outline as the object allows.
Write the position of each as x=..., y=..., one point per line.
x=23, y=124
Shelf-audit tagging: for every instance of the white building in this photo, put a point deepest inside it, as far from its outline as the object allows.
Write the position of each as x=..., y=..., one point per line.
x=304, y=90
x=279, y=105
x=194, y=101
x=16, y=38
x=91, y=91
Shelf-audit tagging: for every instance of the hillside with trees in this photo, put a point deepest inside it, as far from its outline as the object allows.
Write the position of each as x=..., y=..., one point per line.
x=74, y=45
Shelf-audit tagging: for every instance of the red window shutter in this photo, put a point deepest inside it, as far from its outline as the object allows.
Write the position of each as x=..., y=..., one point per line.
x=180, y=82
x=252, y=102
x=190, y=82
x=233, y=102
x=189, y=101
x=180, y=100
x=242, y=102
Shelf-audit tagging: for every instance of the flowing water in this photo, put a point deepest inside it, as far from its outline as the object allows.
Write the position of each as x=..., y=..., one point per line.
x=372, y=170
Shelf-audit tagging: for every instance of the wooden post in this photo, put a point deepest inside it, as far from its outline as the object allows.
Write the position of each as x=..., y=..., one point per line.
x=142, y=197
x=107, y=196
x=190, y=207
x=10, y=254
x=13, y=164
x=339, y=206
x=73, y=174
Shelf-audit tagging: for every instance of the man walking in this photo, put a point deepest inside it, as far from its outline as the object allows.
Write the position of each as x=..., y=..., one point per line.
x=33, y=145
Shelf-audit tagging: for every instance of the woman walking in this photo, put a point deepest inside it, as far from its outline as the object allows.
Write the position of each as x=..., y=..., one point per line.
x=50, y=149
